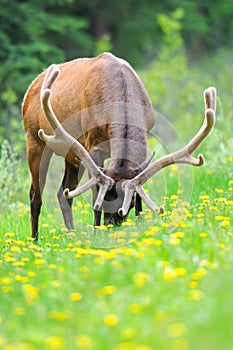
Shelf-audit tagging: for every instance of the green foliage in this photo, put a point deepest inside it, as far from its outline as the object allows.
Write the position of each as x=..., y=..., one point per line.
x=31, y=37
x=176, y=86
x=34, y=34
x=12, y=184
x=103, y=44
x=177, y=282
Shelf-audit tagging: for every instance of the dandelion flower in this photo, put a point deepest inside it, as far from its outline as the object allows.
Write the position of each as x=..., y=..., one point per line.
x=111, y=320
x=76, y=296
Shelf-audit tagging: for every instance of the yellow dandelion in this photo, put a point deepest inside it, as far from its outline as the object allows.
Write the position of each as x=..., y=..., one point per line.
x=31, y=292
x=45, y=225
x=40, y=262
x=213, y=208
x=111, y=320
x=32, y=274
x=22, y=279
x=206, y=201
x=180, y=271
x=173, y=169
x=152, y=230
x=9, y=234
x=140, y=278
x=15, y=249
x=5, y=280
x=169, y=274
x=157, y=242
x=178, y=234
x=219, y=218
x=174, y=241
x=221, y=245
x=38, y=255
x=56, y=238
x=101, y=227
x=132, y=346
x=203, y=197
x=53, y=266
x=193, y=284
x=174, y=197
x=76, y=296
x=220, y=200
x=219, y=190
x=203, y=234
x=55, y=343
x=127, y=223
x=107, y=290
x=7, y=289
x=199, y=273
x=225, y=223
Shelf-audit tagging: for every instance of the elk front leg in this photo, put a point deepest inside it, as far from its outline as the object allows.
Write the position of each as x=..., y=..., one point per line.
x=138, y=205
x=35, y=204
x=70, y=180
x=97, y=213
x=98, y=154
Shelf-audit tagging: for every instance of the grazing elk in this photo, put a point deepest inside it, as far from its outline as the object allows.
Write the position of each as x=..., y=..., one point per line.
x=88, y=110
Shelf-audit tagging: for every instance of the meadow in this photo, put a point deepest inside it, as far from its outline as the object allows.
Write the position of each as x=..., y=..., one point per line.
x=155, y=282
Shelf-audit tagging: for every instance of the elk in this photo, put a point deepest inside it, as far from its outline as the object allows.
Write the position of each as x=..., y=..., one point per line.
x=89, y=110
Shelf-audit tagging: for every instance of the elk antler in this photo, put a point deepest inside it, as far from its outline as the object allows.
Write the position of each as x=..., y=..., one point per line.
x=63, y=140
x=181, y=156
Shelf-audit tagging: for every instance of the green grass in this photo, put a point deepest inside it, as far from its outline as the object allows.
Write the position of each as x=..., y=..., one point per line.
x=154, y=283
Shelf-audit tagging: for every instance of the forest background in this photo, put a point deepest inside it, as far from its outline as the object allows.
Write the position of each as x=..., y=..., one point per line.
x=164, y=41
x=171, y=287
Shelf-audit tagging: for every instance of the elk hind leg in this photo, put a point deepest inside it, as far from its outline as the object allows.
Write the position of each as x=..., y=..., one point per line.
x=38, y=163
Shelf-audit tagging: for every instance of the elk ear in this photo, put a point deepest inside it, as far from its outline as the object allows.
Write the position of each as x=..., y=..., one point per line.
x=143, y=165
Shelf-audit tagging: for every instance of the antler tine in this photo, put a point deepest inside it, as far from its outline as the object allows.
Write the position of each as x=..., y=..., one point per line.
x=62, y=139
x=210, y=98
x=181, y=156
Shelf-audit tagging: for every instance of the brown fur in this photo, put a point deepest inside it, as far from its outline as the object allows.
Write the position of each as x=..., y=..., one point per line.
x=102, y=103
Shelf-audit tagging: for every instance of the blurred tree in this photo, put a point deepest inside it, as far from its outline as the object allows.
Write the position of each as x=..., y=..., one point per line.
x=35, y=33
